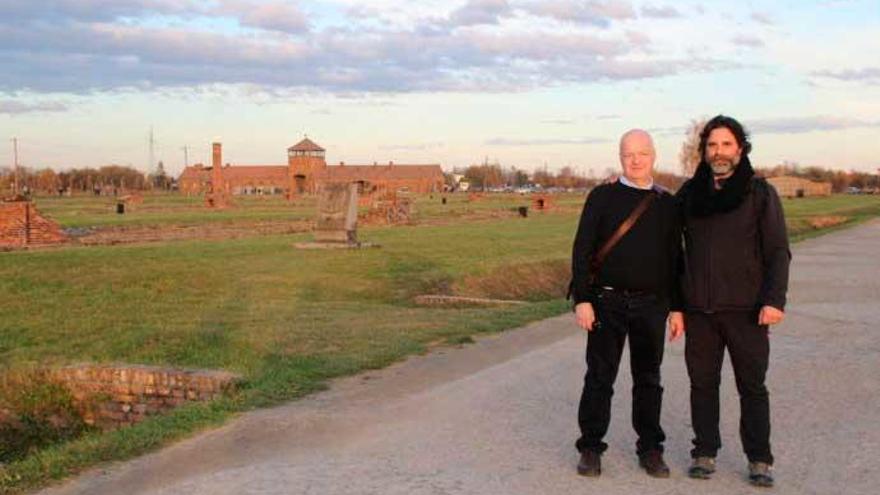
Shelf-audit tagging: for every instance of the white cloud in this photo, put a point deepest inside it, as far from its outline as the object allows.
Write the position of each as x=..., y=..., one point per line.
x=591, y=13
x=480, y=12
x=798, y=125
x=664, y=12
x=868, y=75
x=747, y=41
x=762, y=18
x=545, y=142
x=275, y=16
x=14, y=107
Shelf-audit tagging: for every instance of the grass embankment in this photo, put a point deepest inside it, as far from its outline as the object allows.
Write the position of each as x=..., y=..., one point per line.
x=287, y=320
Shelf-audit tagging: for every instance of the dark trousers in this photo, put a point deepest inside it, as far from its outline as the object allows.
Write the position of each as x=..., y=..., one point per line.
x=643, y=319
x=707, y=334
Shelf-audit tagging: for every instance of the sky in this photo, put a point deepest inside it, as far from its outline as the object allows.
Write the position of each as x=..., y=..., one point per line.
x=527, y=83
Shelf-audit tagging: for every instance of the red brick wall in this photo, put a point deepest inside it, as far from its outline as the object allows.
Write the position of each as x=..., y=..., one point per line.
x=22, y=226
x=131, y=393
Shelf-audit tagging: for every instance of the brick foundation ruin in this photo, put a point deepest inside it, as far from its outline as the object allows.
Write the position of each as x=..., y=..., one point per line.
x=114, y=396
x=22, y=226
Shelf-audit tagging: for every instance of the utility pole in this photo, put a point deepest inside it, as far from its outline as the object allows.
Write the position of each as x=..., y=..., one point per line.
x=152, y=152
x=185, y=156
x=15, y=166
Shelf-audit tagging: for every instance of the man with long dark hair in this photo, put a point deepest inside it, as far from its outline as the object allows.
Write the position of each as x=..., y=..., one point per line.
x=735, y=279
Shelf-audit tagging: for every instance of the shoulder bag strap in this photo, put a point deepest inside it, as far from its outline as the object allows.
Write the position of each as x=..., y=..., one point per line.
x=624, y=227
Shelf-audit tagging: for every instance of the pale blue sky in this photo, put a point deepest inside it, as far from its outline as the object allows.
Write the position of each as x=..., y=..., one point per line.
x=528, y=82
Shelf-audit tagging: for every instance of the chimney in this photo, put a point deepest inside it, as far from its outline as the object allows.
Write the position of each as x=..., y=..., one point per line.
x=218, y=155
x=341, y=164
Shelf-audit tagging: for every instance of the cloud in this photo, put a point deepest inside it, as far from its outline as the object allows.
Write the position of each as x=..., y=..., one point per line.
x=591, y=13
x=868, y=74
x=480, y=12
x=747, y=41
x=559, y=121
x=17, y=11
x=14, y=107
x=545, y=142
x=762, y=18
x=85, y=52
x=413, y=146
x=799, y=125
x=665, y=12
x=274, y=16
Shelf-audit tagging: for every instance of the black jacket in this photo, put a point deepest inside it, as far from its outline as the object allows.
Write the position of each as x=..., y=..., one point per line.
x=736, y=258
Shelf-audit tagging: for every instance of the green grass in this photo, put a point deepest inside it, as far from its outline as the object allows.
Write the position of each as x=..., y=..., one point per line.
x=286, y=319
x=855, y=209
x=160, y=209
x=167, y=209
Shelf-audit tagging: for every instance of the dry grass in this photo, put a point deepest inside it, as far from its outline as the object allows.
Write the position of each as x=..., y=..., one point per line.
x=520, y=281
x=822, y=222
x=36, y=410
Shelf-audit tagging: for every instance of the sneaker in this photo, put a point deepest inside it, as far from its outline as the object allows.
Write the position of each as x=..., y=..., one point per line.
x=590, y=464
x=760, y=474
x=702, y=468
x=653, y=464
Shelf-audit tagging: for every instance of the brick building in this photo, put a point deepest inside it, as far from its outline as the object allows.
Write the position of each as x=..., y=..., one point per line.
x=304, y=173
x=797, y=187
x=21, y=226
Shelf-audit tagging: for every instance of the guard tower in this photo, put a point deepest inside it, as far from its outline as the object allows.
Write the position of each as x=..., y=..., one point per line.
x=305, y=160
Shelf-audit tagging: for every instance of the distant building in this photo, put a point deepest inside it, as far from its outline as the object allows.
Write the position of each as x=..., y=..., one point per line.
x=306, y=170
x=797, y=187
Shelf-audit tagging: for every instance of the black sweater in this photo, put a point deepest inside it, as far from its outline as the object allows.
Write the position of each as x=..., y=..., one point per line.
x=645, y=257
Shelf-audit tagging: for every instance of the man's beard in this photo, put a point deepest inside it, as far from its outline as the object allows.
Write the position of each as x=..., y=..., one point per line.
x=723, y=166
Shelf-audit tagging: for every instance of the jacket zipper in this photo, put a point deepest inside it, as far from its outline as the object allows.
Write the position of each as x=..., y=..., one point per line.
x=709, y=306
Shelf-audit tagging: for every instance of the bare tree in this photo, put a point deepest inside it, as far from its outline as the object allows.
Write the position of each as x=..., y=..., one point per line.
x=689, y=156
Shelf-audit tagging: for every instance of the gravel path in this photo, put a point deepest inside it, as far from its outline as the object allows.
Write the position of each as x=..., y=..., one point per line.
x=498, y=417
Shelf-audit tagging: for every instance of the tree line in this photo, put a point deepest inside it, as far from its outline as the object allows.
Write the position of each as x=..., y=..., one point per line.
x=108, y=179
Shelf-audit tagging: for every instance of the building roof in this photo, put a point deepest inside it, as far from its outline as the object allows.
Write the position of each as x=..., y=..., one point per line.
x=791, y=178
x=305, y=145
x=342, y=173
x=335, y=173
x=239, y=172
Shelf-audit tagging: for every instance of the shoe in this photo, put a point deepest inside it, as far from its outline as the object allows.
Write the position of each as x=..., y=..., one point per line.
x=702, y=468
x=760, y=474
x=653, y=464
x=590, y=464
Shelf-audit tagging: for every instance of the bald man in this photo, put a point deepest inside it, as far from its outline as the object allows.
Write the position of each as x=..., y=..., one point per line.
x=628, y=295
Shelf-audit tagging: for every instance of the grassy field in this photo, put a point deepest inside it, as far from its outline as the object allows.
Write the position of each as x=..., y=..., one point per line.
x=286, y=319
x=166, y=209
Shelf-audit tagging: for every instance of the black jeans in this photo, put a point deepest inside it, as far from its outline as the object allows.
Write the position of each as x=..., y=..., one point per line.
x=643, y=319
x=747, y=342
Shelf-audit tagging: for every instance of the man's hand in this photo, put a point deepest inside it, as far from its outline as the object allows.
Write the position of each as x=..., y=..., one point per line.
x=584, y=316
x=770, y=316
x=676, y=325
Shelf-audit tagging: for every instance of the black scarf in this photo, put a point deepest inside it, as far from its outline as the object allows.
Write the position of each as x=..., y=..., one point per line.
x=704, y=200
